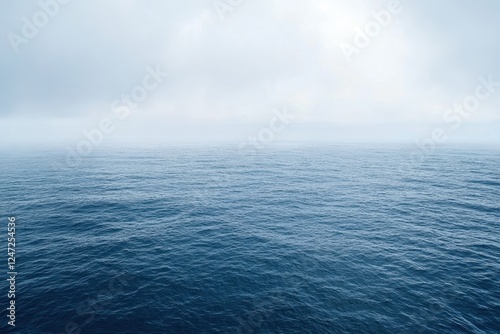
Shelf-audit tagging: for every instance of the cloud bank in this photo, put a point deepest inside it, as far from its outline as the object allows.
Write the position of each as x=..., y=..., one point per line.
x=231, y=63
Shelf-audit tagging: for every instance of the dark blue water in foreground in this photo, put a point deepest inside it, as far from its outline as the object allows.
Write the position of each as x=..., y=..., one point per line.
x=333, y=239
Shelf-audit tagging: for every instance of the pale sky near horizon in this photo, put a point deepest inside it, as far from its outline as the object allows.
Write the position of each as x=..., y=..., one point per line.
x=227, y=76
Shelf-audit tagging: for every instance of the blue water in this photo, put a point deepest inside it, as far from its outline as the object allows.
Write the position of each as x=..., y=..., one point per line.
x=318, y=239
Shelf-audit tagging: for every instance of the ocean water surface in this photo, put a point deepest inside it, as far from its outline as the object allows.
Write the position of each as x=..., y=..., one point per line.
x=317, y=239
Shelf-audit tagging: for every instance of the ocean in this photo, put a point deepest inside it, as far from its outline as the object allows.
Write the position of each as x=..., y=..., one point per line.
x=290, y=239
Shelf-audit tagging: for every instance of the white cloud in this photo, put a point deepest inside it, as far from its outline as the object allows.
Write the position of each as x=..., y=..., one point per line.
x=236, y=71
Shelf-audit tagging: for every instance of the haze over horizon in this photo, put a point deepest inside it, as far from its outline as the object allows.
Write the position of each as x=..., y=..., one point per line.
x=250, y=166
x=231, y=68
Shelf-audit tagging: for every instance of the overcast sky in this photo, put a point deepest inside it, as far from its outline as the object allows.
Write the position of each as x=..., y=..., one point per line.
x=232, y=63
